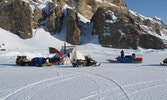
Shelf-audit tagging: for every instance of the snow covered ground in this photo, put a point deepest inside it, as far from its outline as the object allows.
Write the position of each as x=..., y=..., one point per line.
x=146, y=81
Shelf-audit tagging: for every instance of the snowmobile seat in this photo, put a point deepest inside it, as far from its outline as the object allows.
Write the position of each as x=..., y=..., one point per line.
x=165, y=60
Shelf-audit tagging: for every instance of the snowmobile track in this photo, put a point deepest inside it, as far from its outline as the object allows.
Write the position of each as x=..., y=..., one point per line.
x=69, y=76
x=146, y=85
x=95, y=94
x=115, y=84
x=97, y=75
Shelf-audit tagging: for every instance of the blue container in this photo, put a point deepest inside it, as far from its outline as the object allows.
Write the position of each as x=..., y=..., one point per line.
x=59, y=63
x=125, y=59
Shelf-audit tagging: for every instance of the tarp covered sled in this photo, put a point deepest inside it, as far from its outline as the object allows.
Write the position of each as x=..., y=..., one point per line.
x=126, y=59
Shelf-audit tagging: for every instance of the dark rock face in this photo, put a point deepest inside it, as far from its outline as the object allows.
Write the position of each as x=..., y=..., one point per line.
x=120, y=31
x=149, y=41
x=59, y=19
x=73, y=31
x=55, y=19
x=50, y=26
x=16, y=17
x=37, y=17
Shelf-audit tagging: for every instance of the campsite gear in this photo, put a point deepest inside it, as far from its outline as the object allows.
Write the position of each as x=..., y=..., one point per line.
x=57, y=60
x=70, y=55
x=59, y=63
x=87, y=62
x=22, y=60
x=38, y=61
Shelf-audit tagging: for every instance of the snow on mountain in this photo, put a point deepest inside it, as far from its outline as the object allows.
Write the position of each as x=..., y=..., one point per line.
x=41, y=40
x=154, y=20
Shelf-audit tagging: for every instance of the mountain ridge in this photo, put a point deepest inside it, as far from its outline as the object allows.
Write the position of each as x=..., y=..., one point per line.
x=52, y=15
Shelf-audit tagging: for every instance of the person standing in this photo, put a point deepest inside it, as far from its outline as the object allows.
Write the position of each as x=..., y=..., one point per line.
x=122, y=53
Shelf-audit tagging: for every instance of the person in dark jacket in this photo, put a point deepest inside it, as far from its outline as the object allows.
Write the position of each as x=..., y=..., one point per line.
x=122, y=53
x=88, y=61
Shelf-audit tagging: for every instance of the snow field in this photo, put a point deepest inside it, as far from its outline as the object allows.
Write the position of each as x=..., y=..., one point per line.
x=146, y=81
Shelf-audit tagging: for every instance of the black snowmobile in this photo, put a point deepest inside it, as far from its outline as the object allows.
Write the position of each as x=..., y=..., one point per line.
x=86, y=63
x=164, y=62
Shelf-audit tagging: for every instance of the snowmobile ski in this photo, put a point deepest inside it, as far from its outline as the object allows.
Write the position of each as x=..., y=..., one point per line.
x=163, y=64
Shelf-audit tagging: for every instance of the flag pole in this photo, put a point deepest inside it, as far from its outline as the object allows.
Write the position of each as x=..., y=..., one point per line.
x=64, y=48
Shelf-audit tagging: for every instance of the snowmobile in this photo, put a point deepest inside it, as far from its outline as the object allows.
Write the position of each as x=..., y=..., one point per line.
x=126, y=59
x=164, y=62
x=86, y=63
x=22, y=61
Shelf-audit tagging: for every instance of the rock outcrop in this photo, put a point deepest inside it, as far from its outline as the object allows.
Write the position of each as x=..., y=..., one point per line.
x=50, y=26
x=119, y=30
x=37, y=17
x=55, y=19
x=73, y=32
x=149, y=41
x=88, y=7
x=59, y=19
x=16, y=17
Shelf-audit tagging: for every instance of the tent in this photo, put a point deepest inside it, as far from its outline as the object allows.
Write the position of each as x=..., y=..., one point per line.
x=70, y=54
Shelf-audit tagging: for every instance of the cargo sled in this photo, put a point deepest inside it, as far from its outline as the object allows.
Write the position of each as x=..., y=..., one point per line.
x=40, y=61
x=126, y=59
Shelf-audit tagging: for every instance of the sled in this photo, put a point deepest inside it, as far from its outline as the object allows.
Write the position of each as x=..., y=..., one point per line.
x=127, y=59
x=113, y=61
x=137, y=62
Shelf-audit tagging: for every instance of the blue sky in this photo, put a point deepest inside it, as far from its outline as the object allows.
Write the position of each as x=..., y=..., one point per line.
x=149, y=8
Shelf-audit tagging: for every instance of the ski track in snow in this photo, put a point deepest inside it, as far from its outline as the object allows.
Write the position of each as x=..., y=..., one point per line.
x=94, y=94
x=143, y=86
x=70, y=76
x=106, y=78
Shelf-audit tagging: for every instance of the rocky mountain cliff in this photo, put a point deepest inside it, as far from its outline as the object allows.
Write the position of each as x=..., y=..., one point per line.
x=115, y=25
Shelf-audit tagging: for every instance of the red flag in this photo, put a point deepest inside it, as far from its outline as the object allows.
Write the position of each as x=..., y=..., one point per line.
x=54, y=50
